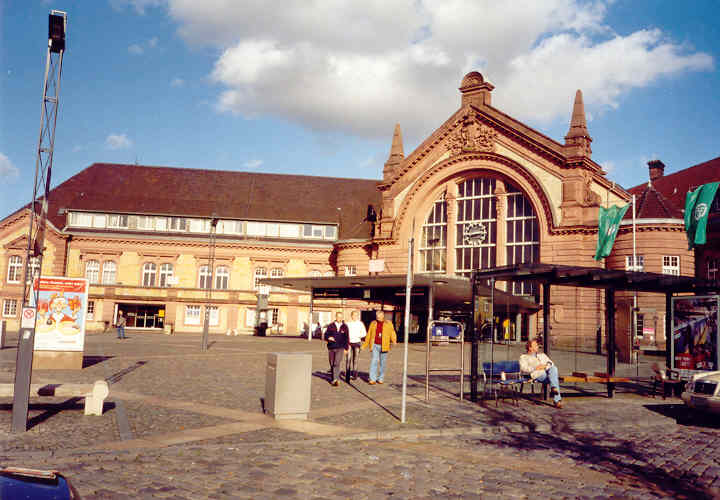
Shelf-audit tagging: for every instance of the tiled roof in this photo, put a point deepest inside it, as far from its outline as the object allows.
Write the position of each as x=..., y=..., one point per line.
x=651, y=204
x=226, y=194
x=674, y=186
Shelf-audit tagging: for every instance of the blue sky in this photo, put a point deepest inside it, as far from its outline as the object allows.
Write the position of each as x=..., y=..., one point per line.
x=224, y=84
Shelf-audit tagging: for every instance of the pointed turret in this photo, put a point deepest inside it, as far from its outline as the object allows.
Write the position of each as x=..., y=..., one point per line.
x=396, y=154
x=578, y=138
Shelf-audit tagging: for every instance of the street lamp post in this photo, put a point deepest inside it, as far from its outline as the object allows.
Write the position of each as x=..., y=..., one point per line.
x=208, y=293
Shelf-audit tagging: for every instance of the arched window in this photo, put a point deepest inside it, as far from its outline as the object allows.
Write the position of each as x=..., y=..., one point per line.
x=149, y=273
x=433, y=242
x=15, y=269
x=204, y=277
x=109, y=274
x=92, y=271
x=166, y=272
x=222, y=278
x=476, y=217
x=523, y=236
x=260, y=273
x=34, y=269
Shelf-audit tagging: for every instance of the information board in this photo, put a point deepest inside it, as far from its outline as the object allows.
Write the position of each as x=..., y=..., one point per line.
x=694, y=345
x=61, y=312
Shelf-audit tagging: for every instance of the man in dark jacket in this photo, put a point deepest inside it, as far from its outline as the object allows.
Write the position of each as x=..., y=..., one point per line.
x=338, y=342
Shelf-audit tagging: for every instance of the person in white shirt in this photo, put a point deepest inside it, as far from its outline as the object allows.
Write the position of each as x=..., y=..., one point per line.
x=541, y=368
x=357, y=333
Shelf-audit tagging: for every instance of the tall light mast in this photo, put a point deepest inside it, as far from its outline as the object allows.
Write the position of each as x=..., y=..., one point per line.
x=57, y=28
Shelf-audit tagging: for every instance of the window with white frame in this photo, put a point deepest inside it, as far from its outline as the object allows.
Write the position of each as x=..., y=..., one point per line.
x=260, y=273
x=522, y=236
x=255, y=228
x=118, y=221
x=99, y=221
x=351, y=270
x=192, y=315
x=713, y=266
x=330, y=232
x=289, y=230
x=15, y=269
x=433, y=242
x=33, y=269
x=10, y=308
x=81, y=219
x=671, y=265
x=476, y=240
x=161, y=223
x=222, y=278
x=166, y=272
x=109, y=273
x=314, y=273
x=149, y=273
x=213, y=315
x=250, y=318
x=640, y=325
x=273, y=316
x=272, y=229
x=329, y=274
x=638, y=265
x=204, y=277
x=178, y=224
x=145, y=222
x=92, y=271
x=91, y=310
x=277, y=272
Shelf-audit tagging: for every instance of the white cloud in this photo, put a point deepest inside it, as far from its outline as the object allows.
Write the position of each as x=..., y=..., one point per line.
x=136, y=49
x=252, y=164
x=366, y=69
x=177, y=82
x=138, y=5
x=608, y=166
x=7, y=169
x=152, y=43
x=118, y=141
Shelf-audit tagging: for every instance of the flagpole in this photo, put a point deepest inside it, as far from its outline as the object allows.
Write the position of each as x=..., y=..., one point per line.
x=408, y=295
x=635, y=296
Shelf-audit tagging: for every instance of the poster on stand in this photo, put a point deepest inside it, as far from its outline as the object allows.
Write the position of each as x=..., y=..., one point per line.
x=61, y=312
x=694, y=346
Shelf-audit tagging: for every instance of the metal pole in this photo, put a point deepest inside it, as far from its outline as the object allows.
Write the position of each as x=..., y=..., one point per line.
x=208, y=295
x=310, y=321
x=668, y=330
x=427, y=342
x=492, y=322
x=408, y=293
x=474, y=340
x=633, y=335
x=610, y=321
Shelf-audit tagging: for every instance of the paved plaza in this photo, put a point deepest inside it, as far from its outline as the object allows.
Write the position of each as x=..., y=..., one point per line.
x=181, y=423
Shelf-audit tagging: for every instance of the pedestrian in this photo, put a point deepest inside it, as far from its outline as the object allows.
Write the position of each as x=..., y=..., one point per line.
x=380, y=337
x=357, y=333
x=120, y=324
x=336, y=336
x=540, y=368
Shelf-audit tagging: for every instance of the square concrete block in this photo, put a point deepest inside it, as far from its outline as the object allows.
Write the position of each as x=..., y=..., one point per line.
x=287, y=385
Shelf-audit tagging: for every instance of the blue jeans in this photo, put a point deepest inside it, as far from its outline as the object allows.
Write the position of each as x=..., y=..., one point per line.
x=378, y=357
x=551, y=375
x=121, y=332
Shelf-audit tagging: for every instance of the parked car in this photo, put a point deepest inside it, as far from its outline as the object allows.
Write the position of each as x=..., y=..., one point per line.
x=19, y=483
x=701, y=393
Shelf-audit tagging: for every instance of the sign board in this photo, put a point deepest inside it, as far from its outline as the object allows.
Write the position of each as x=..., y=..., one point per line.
x=694, y=346
x=28, y=317
x=376, y=265
x=61, y=313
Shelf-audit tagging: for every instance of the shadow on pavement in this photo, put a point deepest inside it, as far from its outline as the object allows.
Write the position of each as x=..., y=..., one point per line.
x=686, y=416
x=93, y=360
x=116, y=377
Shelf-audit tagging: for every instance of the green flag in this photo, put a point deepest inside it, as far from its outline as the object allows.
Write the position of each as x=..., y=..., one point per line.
x=608, y=226
x=697, y=208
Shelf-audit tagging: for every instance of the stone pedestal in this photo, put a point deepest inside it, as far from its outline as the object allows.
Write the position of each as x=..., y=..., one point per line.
x=287, y=385
x=57, y=360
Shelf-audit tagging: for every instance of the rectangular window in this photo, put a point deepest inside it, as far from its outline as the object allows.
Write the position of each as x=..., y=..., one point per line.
x=214, y=316
x=289, y=231
x=145, y=222
x=91, y=310
x=330, y=232
x=192, y=315
x=118, y=221
x=671, y=265
x=273, y=316
x=256, y=229
x=637, y=266
x=250, y=318
x=272, y=229
x=10, y=308
x=640, y=325
x=99, y=221
x=713, y=266
x=199, y=225
x=350, y=270
x=15, y=269
x=161, y=223
x=178, y=224
x=80, y=219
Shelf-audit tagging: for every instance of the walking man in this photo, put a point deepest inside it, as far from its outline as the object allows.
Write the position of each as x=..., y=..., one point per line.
x=336, y=336
x=380, y=337
x=357, y=332
x=539, y=367
x=121, y=322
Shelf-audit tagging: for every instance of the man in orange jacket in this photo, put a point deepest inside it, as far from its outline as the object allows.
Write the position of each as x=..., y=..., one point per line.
x=380, y=337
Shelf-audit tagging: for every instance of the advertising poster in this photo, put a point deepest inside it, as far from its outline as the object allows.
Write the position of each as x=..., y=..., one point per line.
x=695, y=333
x=61, y=312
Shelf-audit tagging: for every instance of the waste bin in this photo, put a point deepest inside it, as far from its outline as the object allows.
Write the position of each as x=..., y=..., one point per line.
x=287, y=385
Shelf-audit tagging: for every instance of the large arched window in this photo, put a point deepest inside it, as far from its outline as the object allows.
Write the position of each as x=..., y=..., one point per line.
x=523, y=236
x=92, y=271
x=149, y=274
x=476, y=216
x=433, y=242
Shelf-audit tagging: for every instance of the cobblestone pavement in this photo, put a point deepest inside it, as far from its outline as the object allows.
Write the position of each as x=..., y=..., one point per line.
x=180, y=423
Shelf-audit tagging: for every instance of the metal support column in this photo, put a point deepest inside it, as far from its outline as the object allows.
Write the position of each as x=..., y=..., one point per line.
x=310, y=321
x=431, y=299
x=546, y=318
x=610, y=328
x=668, y=329
x=474, y=340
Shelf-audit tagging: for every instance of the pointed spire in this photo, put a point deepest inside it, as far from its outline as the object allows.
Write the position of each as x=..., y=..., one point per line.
x=396, y=153
x=578, y=135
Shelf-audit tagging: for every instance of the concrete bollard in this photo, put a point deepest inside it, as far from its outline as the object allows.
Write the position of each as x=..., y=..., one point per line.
x=287, y=385
x=95, y=400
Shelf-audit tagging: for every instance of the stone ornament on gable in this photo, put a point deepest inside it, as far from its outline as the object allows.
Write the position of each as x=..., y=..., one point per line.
x=471, y=137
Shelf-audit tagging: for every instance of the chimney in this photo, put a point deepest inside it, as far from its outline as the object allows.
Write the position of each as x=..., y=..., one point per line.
x=657, y=169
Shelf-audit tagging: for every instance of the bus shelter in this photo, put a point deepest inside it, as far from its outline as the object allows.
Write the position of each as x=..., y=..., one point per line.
x=549, y=275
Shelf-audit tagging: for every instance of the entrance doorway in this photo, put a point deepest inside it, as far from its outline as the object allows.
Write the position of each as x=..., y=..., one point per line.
x=146, y=316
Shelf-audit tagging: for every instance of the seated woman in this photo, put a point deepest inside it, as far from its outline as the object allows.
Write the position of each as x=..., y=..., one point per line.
x=539, y=367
